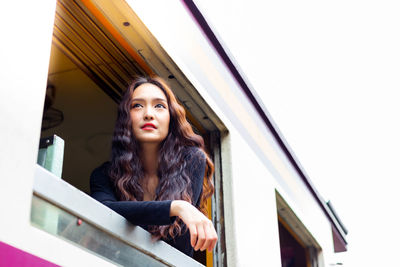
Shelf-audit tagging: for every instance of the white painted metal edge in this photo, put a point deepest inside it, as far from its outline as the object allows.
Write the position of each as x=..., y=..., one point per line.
x=66, y=196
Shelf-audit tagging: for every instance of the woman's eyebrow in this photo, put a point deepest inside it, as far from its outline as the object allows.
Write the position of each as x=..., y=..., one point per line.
x=160, y=99
x=153, y=99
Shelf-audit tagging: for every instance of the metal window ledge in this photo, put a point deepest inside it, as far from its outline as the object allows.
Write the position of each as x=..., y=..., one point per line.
x=62, y=194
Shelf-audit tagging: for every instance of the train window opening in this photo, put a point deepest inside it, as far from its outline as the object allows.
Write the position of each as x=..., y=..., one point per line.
x=298, y=247
x=89, y=69
x=81, y=114
x=293, y=254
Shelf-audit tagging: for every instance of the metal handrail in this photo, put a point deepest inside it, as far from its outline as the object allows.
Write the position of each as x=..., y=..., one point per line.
x=64, y=195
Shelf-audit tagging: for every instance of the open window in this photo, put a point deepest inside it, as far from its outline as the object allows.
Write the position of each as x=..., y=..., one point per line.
x=298, y=247
x=97, y=50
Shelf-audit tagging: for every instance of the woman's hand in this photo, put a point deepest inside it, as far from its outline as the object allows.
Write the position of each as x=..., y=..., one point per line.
x=202, y=232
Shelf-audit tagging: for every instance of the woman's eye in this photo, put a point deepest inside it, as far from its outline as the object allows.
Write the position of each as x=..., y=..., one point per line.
x=136, y=106
x=159, y=106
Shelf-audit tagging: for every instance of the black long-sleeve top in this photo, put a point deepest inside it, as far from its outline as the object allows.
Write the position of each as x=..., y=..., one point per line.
x=145, y=213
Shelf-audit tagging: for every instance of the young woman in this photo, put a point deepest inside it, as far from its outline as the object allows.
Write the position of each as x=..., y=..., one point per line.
x=159, y=175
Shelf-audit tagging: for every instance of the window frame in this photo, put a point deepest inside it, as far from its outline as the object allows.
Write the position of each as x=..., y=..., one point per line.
x=59, y=196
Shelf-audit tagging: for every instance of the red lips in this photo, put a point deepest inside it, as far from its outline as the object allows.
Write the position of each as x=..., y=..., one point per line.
x=148, y=126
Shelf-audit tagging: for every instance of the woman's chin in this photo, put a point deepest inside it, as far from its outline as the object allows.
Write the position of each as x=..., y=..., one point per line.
x=150, y=140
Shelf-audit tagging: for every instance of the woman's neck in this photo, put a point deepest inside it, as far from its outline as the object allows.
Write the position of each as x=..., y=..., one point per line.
x=149, y=158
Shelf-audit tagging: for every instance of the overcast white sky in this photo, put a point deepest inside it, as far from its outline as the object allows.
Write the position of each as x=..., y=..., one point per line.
x=329, y=74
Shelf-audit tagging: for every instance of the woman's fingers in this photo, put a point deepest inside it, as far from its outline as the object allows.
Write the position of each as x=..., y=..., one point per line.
x=202, y=232
x=193, y=235
x=208, y=236
x=201, y=237
x=212, y=237
x=212, y=245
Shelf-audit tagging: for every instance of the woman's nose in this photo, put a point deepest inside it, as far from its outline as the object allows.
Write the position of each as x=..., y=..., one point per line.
x=148, y=115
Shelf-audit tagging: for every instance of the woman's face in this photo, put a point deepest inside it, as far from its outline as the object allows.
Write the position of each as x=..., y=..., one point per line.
x=149, y=114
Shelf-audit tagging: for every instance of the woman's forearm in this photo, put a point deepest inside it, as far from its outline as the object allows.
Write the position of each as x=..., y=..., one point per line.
x=177, y=207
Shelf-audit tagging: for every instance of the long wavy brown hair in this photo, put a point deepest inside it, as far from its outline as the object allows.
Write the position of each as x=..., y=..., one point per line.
x=126, y=169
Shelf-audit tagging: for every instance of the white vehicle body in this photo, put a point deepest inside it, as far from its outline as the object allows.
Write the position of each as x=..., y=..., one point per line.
x=260, y=185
